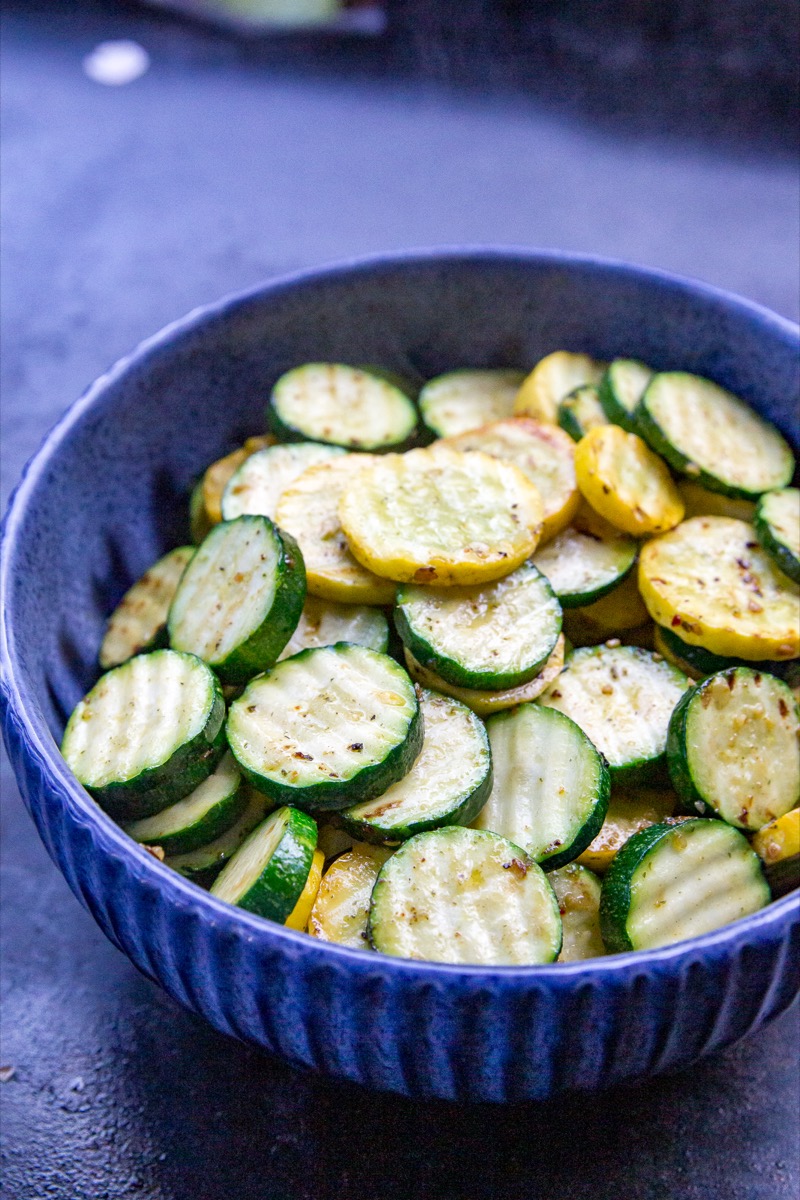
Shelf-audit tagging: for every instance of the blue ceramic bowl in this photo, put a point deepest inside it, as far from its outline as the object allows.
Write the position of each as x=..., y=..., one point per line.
x=107, y=493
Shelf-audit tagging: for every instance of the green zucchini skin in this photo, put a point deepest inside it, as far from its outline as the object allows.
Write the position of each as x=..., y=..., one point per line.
x=681, y=759
x=619, y=886
x=580, y=411
x=453, y=772
x=261, y=649
x=784, y=556
x=611, y=393
x=155, y=788
x=204, y=864
x=276, y=886
x=461, y=671
x=201, y=817
x=367, y=781
x=573, y=544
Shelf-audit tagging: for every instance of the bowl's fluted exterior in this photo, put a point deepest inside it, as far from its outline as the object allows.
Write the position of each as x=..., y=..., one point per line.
x=106, y=493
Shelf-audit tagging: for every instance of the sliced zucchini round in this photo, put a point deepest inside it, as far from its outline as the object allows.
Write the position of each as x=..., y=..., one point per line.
x=299, y=916
x=711, y=435
x=204, y=864
x=586, y=561
x=697, y=662
x=147, y=734
x=328, y=727
x=732, y=748
x=622, y=697
x=711, y=582
x=441, y=516
x=323, y=623
x=448, y=783
x=205, y=814
x=581, y=411
x=676, y=881
x=551, y=787
x=342, y=406
x=626, y=482
x=628, y=812
x=216, y=477
x=578, y=894
x=268, y=872
x=778, y=847
x=240, y=598
x=553, y=378
x=492, y=635
x=614, y=615
x=464, y=896
x=543, y=452
x=341, y=909
x=621, y=389
x=462, y=400
x=309, y=511
x=258, y=484
x=777, y=526
x=483, y=700
x=139, y=622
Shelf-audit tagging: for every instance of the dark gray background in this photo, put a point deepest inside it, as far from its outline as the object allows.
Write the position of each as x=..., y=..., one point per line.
x=224, y=165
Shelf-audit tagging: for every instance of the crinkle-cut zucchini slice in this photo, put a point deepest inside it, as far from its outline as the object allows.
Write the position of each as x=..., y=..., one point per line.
x=269, y=871
x=778, y=847
x=448, y=783
x=699, y=502
x=341, y=909
x=628, y=812
x=710, y=581
x=139, y=622
x=299, y=916
x=622, y=697
x=553, y=378
x=441, y=516
x=323, y=623
x=240, y=598
x=205, y=814
x=697, y=662
x=732, y=748
x=216, y=477
x=551, y=786
x=484, y=700
x=204, y=864
x=711, y=435
x=342, y=406
x=626, y=482
x=461, y=400
x=578, y=894
x=147, y=734
x=258, y=484
x=464, y=896
x=491, y=635
x=586, y=561
x=544, y=453
x=328, y=728
x=581, y=411
x=615, y=614
x=621, y=389
x=777, y=526
x=309, y=511
x=676, y=881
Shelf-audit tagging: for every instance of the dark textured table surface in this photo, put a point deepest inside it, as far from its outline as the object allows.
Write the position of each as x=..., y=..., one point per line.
x=124, y=207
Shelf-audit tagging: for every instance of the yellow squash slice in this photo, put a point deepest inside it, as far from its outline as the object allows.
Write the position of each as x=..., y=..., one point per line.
x=483, y=701
x=545, y=453
x=780, y=839
x=341, y=908
x=441, y=516
x=628, y=812
x=553, y=378
x=309, y=511
x=626, y=482
x=298, y=917
x=711, y=582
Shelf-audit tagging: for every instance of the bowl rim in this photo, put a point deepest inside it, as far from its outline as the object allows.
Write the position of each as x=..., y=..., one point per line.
x=110, y=839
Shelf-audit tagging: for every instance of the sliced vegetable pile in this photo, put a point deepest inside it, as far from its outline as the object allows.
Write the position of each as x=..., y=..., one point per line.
x=506, y=673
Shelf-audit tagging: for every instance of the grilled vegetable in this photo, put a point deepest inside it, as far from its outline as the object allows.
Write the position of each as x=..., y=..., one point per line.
x=586, y=561
x=778, y=847
x=216, y=477
x=553, y=378
x=714, y=437
x=139, y=622
x=464, y=896
x=676, y=881
x=341, y=909
x=342, y=406
x=625, y=482
x=240, y=598
x=462, y=400
x=551, y=786
x=323, y=623
x=299, y=916
x=699, y=502
x=201, y=817
x=258, y=484
x=205, y=863
x=777, y=526
x=697, y=662
x=615, y=615
x=581, y=411
x=628, y=812
x=269, y=871
x=578, y=894
x=621, y=389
